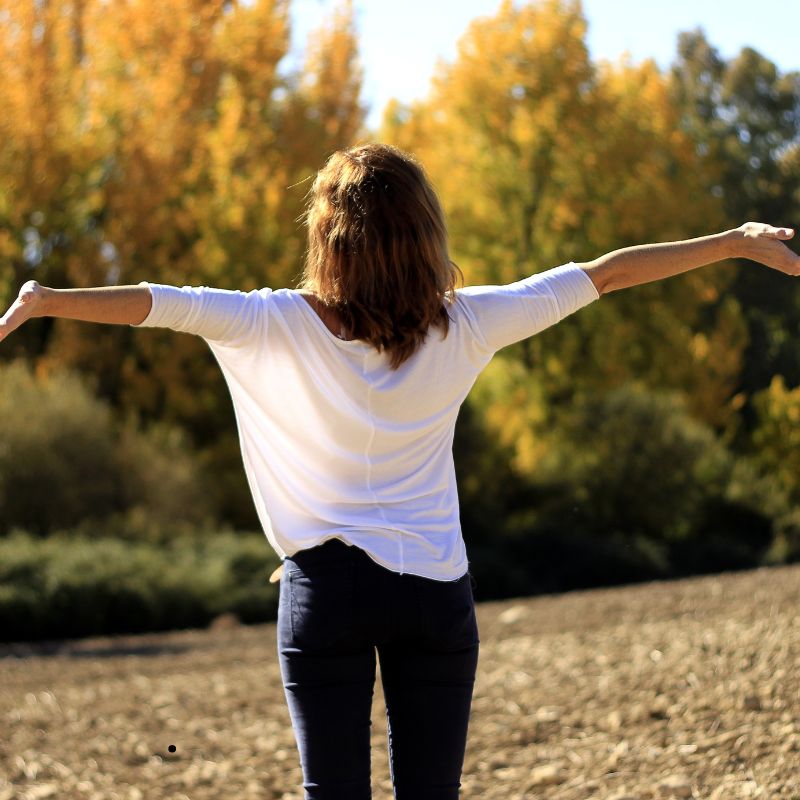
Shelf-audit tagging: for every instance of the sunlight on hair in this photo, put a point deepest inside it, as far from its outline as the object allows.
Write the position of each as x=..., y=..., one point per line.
x=377, y=248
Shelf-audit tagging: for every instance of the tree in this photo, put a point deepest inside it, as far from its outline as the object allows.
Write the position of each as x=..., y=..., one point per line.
x=160, y=142
x=743, y=116
x=775, y=445
x=542, y=157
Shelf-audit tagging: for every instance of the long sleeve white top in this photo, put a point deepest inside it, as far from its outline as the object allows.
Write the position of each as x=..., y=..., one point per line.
x=334, y=442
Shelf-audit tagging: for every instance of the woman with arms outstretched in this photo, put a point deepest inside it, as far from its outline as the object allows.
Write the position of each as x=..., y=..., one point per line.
x=346, y=392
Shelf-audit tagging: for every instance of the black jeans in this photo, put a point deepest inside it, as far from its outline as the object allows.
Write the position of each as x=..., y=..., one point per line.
x=336, y=607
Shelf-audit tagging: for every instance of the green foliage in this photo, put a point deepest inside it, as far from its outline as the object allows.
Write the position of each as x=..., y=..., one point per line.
x=743, y=116
x=56, y=451
x=775, y=441
x=68, y=586
x=634, y=463
x=633, y=466
x=161, y=478
x=65, y=461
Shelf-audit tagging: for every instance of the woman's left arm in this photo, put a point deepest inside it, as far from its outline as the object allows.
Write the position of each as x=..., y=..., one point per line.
x=225, y=317
x=120, y=305
x=631, y=266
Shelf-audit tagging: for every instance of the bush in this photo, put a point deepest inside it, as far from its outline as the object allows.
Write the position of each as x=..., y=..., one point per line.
x=57, y=461
x=68, y=586
x=162, y=477
x=741, y=528
x=634, y=463
x=643, y=491
x=64, y=460
x=775, y=443
x=561, y=561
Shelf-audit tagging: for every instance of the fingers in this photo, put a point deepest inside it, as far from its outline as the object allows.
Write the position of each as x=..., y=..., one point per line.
x=756, y=229
x=10, y=321
x=773, y=231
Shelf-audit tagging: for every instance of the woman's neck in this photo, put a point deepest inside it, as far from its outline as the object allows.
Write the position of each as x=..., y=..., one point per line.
x=328, y=316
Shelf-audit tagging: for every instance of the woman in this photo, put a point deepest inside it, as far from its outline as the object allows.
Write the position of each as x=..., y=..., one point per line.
x=346, y=393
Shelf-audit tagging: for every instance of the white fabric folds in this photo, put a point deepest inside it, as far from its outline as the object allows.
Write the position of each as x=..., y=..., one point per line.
x=336, y=444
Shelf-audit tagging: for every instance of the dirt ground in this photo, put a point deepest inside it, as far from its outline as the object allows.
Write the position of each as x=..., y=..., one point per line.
x=684, y=689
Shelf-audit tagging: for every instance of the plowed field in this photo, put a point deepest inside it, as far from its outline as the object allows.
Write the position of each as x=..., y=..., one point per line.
x=684, y=689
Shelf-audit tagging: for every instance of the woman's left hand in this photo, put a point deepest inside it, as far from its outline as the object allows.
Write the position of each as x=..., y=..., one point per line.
x=764, y=243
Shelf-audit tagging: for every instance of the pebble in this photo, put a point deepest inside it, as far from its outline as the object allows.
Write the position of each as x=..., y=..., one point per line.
x=614, y=720
x=751, y=703
x=548, y=775
x=675, y=786
x=512, y=615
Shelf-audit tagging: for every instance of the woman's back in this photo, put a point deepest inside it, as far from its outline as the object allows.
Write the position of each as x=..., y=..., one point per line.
x=334, y=441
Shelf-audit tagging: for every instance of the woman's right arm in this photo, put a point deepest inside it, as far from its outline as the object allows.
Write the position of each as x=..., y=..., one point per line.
x=120, y=305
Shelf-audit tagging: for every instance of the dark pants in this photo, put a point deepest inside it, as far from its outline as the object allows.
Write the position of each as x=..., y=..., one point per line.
x=336, y=607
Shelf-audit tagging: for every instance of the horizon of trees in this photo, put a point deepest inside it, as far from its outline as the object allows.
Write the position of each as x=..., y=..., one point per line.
x=145, y=141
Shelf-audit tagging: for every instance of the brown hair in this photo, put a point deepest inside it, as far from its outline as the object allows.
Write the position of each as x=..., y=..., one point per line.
x=377, y=248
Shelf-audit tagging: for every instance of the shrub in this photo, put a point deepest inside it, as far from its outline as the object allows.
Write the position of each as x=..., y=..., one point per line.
x=57, y=461
x=634, y=463
x=633, y=466
x=162, y=478
x=775, y=443
x=68, y=586
x=64, y=460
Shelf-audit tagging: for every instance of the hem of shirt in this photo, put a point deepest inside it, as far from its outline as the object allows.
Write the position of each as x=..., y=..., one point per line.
x=381, y=564
x=588, y=279
x=147, y=321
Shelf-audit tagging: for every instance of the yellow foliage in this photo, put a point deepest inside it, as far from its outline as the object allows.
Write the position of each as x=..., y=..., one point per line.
x=542, y=157
x=513, y=404
x=776, y=439
x=166, y=131
x=164, y=134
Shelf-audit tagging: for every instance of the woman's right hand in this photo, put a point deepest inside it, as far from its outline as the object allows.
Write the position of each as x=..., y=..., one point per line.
x=29, y=303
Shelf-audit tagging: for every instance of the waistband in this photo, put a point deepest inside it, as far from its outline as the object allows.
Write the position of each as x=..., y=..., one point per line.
x=332, y=550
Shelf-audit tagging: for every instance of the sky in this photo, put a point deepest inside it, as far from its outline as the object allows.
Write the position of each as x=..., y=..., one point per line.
x=400, y=40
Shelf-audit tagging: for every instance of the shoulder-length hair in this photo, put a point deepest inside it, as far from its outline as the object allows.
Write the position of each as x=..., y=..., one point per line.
x=377, y=248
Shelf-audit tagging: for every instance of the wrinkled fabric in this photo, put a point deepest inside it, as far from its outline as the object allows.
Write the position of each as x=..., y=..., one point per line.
x=334, y=443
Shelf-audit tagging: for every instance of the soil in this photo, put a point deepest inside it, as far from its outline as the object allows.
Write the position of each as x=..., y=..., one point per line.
x=681, y=689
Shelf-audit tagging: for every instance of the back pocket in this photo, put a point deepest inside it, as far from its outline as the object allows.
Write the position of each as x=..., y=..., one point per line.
x=322, y=605
x=447, y=609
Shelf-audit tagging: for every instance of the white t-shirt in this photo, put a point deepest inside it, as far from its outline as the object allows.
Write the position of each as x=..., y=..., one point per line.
x=335, y=443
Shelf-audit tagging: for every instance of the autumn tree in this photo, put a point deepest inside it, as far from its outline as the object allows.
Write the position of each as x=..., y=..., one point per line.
x=161, y=142
x=743, y=116
x=542, y=157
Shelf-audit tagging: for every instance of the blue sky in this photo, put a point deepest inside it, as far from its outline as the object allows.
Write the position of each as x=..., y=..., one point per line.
x=402, y=39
